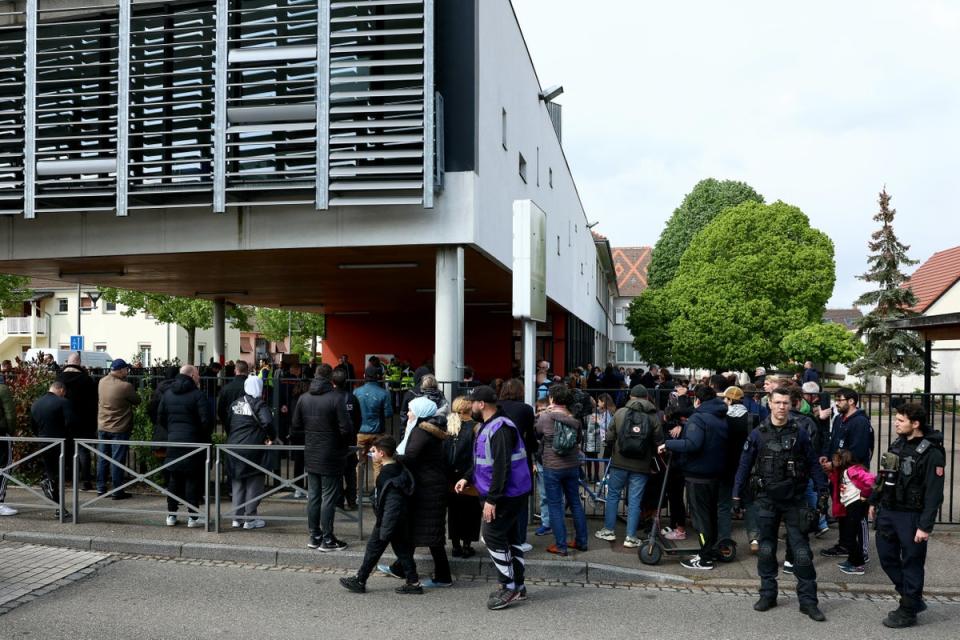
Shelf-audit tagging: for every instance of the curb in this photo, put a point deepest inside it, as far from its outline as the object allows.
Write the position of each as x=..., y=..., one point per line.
x=555, y=570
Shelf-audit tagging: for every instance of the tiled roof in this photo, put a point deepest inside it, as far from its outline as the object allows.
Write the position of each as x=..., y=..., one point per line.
x=846, y=317
x=631, y=265
x=935, y=277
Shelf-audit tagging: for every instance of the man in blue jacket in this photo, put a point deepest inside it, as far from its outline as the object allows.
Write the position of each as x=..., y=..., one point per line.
x=702, y=443
x=852, y=431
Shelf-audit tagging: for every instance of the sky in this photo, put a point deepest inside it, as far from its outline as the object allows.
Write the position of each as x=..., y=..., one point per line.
x=819, y=104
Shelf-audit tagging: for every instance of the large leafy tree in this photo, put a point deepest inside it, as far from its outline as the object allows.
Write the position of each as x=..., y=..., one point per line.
x=189, y=313
x=13, y=291
x=887, y=351
x=302, y=327
x=699, y=207
x=824, y=342
x=754, y=274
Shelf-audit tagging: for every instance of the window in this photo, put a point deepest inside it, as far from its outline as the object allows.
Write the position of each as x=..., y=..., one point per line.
x=201, y=353
x=558, y=244
x=550, y=174
x=619, y=315
x=63, y=305
x=626, y=353
x=100, y=346
x=538, y=166
x=523, y=167
x=86, y=305
x=145, y=352
x=109, y=307
x=64, y=347
x=503, y=128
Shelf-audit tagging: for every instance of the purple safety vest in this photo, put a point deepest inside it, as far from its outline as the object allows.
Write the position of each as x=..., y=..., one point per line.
x=518, y=482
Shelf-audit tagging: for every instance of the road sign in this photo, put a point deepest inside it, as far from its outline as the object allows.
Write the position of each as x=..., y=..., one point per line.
x=76, y=343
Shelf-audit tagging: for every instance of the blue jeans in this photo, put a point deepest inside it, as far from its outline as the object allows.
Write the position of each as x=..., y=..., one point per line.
x=635, y=484
x=560, y=483
x=116, y=451
x=812, y=501
x=542, y=494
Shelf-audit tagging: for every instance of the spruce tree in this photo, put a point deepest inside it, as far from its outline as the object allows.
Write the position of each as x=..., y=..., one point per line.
x=887, y=351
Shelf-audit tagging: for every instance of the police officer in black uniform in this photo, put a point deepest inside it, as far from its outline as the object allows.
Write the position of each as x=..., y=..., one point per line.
x=777, y=462
x=909, y=491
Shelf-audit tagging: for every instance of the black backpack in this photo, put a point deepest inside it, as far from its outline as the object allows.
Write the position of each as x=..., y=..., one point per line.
x=636, y=434
x=564, y=438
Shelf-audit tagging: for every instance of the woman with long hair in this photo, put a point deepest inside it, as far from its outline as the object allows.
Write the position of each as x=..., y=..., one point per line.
x=463, y=509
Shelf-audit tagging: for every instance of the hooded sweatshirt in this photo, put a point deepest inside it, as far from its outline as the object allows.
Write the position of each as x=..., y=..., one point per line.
x=703, y=441
x=637, y=465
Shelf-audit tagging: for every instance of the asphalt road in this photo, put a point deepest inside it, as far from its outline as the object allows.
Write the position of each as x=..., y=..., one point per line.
x=146, y=599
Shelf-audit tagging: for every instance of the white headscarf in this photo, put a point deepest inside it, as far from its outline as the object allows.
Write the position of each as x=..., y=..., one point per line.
x=253, y=386
x=421, y=407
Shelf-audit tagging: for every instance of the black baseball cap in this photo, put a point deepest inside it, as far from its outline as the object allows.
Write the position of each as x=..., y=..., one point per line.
x=483, y=393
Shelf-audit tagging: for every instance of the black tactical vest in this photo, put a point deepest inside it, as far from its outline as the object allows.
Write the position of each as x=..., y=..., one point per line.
x=780, y=470
x=909, y=489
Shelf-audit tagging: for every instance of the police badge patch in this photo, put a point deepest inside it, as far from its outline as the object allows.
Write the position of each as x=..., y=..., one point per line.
x=940, y=471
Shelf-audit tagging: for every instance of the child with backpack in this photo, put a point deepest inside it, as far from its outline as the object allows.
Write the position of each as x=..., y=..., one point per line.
x=394, y=488
x=852, y=485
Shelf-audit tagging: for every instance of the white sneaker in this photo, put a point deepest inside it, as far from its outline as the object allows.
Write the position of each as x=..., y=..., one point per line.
x=526, y=547
x=299, y=495
x=236, y=524
x=605, y=534
x=171, y=521
x=7, y=511
x=631, y=543
x=254, y=524
x=194, y=522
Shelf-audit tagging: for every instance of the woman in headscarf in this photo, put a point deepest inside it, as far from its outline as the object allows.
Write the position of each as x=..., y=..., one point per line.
x=250, y=423
x=421, y=452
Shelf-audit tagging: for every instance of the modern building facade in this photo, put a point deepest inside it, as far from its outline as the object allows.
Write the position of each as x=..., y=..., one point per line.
x=357, y=158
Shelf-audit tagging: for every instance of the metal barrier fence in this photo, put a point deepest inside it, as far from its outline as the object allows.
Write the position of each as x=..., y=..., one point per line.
x=96, y=452
x=7, y=473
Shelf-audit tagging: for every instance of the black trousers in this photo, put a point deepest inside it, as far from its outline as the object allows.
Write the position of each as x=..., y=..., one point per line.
x=463, y=517
x=375, y=548
x=902, y=559
x=793, y=514
x=503, y=541
x=349, y=492
x=703, y=496
x=852, y=527
x=441, y=564
x=51, y=469
x=185, y=484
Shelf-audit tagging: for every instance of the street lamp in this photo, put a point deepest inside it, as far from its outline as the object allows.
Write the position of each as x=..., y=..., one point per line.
x=94, y=297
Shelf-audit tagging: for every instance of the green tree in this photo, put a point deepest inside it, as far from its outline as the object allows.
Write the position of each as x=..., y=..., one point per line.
x=648, y=321
x=754, y=274
x=189, y=313
x=13, y=291
x=699, y=207
x=887, y=351
x=822, y=342
x=303, y=328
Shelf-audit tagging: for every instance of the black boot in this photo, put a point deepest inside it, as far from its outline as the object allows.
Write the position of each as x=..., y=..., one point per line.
x=813, y=611
x=764, y=604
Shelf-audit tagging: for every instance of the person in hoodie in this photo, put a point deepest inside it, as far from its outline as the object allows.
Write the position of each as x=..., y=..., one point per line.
x=422, y=453
x=249, y=422
x=740, y=422
x=51, y=416
x=327, y=430
x=561, y=474
x=185, y=415
x=702, y=446
x=395, y=486
x=852, y=431
x=82, y=394
x=426, y=387
x=630, y=445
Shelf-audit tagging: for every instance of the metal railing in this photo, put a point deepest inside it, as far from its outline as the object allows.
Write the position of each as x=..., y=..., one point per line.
x=194, y=449
x=7, y=472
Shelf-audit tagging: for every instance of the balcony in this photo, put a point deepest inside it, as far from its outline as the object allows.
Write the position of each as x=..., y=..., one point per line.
x=12, y=327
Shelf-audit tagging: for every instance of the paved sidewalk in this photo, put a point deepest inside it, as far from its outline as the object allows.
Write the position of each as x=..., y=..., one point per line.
x=284, y=544
x=28, y=570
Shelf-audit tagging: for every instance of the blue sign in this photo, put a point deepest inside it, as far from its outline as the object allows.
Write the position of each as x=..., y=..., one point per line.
x=76, y=343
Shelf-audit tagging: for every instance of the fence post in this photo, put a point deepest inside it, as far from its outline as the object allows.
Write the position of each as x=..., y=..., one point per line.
x=206, y=488
x=61, y=485
x=75, y=491
x=217, y=471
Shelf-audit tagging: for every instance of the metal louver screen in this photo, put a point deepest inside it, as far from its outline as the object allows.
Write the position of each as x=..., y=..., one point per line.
x=216, y=103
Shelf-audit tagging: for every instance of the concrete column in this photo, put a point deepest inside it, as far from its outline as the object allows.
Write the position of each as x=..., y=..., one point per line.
x=529, y=360
x=219, y=330
x=33, y=324
x=448, y=341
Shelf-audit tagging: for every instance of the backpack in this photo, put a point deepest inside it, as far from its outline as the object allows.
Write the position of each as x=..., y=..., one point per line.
x=636, y=434
x=564, y=438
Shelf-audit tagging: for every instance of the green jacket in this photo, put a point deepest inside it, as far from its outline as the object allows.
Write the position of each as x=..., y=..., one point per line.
x=8, y=417
x=636, y=465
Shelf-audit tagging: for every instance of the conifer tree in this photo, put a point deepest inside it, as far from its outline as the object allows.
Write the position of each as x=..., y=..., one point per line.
x=887, y=351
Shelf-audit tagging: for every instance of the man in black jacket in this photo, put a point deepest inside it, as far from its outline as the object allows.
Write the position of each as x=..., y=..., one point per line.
x=82, y=394
x=232, y=392
x=323, y=417
x=350, y=403
x=52, y=417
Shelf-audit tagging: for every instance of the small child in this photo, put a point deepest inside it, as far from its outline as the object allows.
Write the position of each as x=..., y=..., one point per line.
x=394, y=488
x=852, y=485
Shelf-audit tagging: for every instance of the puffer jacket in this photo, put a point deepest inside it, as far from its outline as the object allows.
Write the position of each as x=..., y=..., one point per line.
x=185, y=414
x=250, y=422
x=423, y=457
x=322, y=416
x=395, y=487
x=703, y=441
x=82, y=394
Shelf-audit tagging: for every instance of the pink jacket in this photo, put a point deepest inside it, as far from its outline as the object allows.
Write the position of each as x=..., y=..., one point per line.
x=859, y=478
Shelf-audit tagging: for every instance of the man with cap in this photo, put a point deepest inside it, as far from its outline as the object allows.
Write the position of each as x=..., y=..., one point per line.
x=116, y=400
x=501, y=477
x=375, y=408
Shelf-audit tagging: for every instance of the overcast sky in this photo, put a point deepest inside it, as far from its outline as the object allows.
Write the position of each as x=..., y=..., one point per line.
x=818, y=104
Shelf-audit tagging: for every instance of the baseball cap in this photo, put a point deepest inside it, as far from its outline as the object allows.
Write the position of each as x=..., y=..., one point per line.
x=483, y=393
x=118, y=364
x=733, y=393
x=810, y=387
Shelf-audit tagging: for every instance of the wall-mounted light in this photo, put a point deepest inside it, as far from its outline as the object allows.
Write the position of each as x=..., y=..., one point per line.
x=551, y=93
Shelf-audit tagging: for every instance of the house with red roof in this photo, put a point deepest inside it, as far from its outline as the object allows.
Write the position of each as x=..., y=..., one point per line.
x=630, y=267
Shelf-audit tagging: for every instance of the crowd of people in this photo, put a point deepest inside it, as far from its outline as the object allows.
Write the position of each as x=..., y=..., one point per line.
x=771, y=450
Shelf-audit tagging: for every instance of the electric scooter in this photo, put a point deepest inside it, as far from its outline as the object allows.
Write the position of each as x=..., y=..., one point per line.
x=652, y=549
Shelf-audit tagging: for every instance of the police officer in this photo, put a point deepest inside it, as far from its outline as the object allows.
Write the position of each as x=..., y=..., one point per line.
x=909, y=490
x=778, y=460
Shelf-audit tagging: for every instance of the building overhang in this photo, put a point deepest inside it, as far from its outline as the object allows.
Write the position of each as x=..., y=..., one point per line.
x=938, y=327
